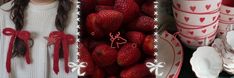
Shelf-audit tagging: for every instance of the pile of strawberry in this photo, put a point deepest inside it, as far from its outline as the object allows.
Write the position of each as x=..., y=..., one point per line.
x=133, y=19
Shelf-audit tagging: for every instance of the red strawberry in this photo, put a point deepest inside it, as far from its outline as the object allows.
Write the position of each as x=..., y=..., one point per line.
x=143, y=23
x=128, y=54
x=110, y=20
x=103, y=22
x=135, y=37
x=137, y=71
x=104, y=55
x=148, y=45
x=112, y=70
x=86, y=57
x=87, y=6
x=129, y=8
x=106, y=2
x=91, y=44
x=98, y=73
x=148, y=8
x=92, y=26
x=103, y=7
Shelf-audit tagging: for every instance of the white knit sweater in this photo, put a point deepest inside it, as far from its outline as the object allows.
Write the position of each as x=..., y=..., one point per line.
x=40, y=21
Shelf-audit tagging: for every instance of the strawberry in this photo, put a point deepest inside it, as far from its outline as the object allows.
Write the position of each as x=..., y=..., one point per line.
x=104, y=55
x=103, y=22
x=110, y=20
x=98, y=73
x=135, y=37
x=143, y=23
x=91, y=44
x=148, y=8
x=137, y=71
x=148, y=45
x=87, y=6
x=86, y=57
x=106, y=2
x=94, y=30
x=129, y=8
x=128, y=54
x=103, y=7
x=112, y=70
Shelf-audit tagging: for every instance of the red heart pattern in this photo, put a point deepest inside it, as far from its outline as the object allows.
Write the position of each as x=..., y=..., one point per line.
x=208, y=7
x=176, y=14
x=178, y=63
x=173, y=39
x=202, y=20
x=218, y=4
x=214, y=18
x=171, y=76
x=191, y=32
x=166, y=35
x=188, y=42
x=186, y=19
x=179, y=53
x=221, y=33
x=214, y=26
x=193, y=8
x=177, y=45
x=204, y=31
x=230, y=19
x=200, y=43
x=178, y=5
x=228, y=11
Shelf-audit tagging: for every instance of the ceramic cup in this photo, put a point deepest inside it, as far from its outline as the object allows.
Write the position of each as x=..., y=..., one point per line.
x=225, y=26
x=187, y=30
x=221, y=33
x=226, y=17
x=195, y=19
x=194, y=42
x=227, y=7
x=197, y=6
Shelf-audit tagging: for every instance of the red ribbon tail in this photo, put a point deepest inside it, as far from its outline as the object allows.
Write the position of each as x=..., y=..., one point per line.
x=56, y=56
x=27, y=55
x=66, y=55
x=9, y=54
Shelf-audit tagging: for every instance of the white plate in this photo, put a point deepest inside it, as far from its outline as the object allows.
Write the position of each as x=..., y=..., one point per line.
x=170, y=52
x=203, y=63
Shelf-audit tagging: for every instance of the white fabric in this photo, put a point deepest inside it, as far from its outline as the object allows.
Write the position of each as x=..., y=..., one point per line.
x=40, y=21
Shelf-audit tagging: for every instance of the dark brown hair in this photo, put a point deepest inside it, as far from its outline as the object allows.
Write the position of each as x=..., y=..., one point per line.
x=17, y=16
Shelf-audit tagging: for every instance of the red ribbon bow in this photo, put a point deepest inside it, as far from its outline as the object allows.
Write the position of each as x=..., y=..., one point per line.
x=66, y=40
x=25, y=36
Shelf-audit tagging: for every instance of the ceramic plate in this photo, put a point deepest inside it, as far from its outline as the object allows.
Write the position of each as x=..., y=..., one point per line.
x=170, y=52
x=203, y=63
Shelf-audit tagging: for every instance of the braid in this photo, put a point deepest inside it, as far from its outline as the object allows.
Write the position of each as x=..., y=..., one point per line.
x=17, y=16
x=62, y=17
x=62, y=14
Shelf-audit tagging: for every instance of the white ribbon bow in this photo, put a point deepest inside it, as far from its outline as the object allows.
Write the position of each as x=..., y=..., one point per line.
x=155, y=66
x=77, y=67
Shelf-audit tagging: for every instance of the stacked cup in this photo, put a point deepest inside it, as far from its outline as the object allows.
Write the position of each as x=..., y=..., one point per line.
x=196, y=21
x=226, y=22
